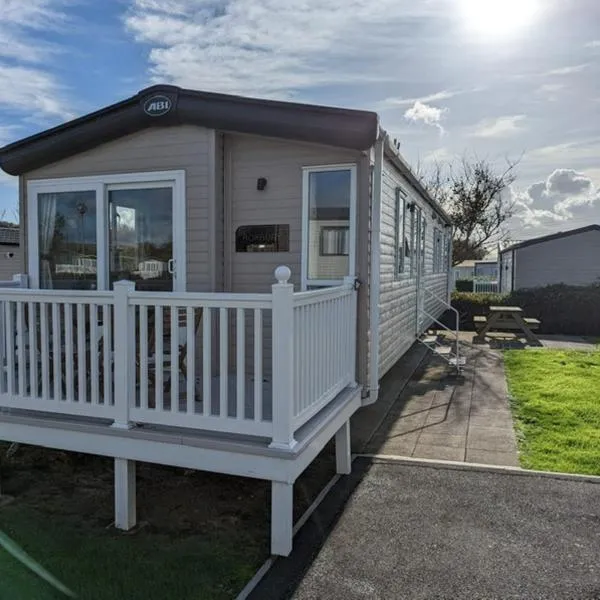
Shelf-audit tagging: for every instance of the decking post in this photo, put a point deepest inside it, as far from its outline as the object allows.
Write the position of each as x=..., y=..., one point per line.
x=343, y=457
x=125, y=501
x=283, y=361
x=124, y=347
x=282, y=502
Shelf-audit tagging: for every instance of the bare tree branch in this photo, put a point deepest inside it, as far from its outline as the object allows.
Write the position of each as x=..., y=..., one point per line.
x=474, y=193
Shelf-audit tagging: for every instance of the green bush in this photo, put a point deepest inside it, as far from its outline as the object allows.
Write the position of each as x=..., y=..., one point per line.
x=562, y=309
x=464, y=285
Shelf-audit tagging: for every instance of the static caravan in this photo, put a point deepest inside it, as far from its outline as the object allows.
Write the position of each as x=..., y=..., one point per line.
x=214, y=282
x=10, y=252
x=569, y=257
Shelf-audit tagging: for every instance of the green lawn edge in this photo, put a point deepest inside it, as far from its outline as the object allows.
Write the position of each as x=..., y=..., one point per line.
x=555, y=400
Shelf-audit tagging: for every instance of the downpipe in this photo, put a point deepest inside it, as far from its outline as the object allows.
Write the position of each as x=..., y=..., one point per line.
x=374, y=282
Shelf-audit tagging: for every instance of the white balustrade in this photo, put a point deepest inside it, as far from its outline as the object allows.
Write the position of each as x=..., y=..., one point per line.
x=194, y=364
x=485, y=286
x=324, y=348
x=51, y=351
x=252, y=364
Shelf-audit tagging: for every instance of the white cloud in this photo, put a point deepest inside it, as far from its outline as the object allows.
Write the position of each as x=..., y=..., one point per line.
x=29, y=89
x=500, y=127
x=593, y=44
x=26, y=84
x=428, y=115
x=440, y=155
x=566, y=195
x=436, y=97
x=550, y=90
x=268, y=47
x=567, y=70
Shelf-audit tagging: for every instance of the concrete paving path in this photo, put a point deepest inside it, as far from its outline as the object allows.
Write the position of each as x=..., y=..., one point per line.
x=567, y=342
x=422, y=532
x=441, y=416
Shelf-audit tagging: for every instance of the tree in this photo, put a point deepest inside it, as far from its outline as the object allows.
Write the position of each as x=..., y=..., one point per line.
x=474, y=194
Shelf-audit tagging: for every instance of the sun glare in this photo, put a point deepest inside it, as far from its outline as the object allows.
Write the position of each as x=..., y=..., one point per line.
x=498, y=17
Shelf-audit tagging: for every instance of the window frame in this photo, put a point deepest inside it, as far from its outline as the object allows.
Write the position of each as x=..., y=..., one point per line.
x=415, y=226
x=307, y=282
x=399, y=227
x=423, y=243
x=101, y=184
x=446, y=252
x=438, y=250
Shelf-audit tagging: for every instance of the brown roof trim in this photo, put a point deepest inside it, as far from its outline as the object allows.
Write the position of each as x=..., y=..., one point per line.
x=346, y=128
x=552, y=236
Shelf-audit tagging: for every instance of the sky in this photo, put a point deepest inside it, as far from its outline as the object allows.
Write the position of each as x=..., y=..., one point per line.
x=496, y=79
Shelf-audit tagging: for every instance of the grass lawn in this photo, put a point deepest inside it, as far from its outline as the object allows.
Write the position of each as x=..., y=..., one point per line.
x=556, y=403
x=204, y=535
x=99, y=564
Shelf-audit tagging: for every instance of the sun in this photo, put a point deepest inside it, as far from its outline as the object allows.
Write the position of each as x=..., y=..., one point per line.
x=496, y=18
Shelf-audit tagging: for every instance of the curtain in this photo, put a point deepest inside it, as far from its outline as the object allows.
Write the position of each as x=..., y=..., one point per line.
x=47, y=222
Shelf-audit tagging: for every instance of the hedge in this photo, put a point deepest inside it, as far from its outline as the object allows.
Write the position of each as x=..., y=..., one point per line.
x=464, y=285
x=562, y=309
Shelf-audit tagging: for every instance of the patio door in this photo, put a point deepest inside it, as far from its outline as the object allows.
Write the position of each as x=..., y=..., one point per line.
x=88, y=232
x=141, y=236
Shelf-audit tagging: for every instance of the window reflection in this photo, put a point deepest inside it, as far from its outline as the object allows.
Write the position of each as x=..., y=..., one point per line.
x=67, y=240
x=329, y=224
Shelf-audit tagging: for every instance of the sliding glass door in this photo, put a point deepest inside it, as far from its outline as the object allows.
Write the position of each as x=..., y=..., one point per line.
x=90, y=232
x=140, y=226
x=67, y=240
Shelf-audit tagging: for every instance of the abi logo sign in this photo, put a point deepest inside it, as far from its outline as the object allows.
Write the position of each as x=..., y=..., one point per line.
x=157, y=106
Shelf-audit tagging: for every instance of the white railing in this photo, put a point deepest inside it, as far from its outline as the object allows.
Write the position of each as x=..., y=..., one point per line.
x=56, y=352
x=485, y=286
x=191, y=335
x=253, y=364
x=325, y=335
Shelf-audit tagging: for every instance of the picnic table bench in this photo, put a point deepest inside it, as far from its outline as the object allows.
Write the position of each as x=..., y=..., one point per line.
x=507, y=318
x=533, y=324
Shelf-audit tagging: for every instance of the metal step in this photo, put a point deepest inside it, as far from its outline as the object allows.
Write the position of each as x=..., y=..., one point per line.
x=443, y=350
x=462, y=361
x=430, y=339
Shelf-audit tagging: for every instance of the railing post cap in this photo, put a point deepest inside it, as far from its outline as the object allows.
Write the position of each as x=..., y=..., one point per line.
x=282, y=274
x=125, y=283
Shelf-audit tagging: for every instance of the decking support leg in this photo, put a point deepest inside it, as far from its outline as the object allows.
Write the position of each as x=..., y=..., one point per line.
x=125, y=502
x=343, y=457
x=282, y=504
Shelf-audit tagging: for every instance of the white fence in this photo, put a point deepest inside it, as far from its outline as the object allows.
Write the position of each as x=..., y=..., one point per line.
x=485, y=286
x=254, y=364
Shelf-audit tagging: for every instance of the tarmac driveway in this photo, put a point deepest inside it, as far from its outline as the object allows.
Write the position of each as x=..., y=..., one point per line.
x=426, y=532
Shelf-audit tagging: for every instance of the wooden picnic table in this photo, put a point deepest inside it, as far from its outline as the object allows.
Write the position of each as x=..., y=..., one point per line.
x=507, y=318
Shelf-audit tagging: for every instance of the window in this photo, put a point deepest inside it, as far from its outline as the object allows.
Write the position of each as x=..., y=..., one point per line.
x=335, y=241
x=438, y=251
x=140, y=236
x=67, y=244
x=262, y=238
x=447, y=250
x=415, y=226
x=399, y=231
x=87, y=232
x=329, y=195
x=423, y=244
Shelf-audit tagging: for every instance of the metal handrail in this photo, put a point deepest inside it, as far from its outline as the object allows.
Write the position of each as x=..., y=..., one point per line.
x=457, y=327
